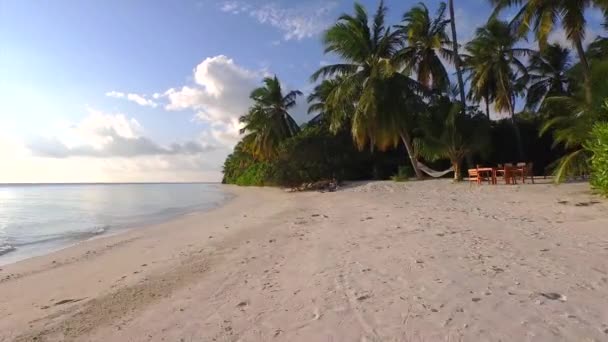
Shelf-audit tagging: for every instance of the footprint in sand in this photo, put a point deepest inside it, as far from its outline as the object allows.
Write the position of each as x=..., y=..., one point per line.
x=554, y=296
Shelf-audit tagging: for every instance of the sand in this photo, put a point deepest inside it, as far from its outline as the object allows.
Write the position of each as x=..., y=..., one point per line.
x=378, y=261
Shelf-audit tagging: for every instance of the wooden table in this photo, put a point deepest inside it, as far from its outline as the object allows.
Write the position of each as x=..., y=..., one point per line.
x=491, y=171
x=511, y=173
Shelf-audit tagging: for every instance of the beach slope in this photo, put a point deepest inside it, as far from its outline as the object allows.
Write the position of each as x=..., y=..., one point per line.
x=377, y=261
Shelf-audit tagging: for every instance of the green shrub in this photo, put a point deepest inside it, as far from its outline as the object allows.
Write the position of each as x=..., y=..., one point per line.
x=598, y=145
x=403, y=174
x=255, y=175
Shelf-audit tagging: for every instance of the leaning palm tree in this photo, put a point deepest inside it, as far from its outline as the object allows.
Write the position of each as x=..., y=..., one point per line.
x=445, y=134
x=426, y=39
x=541, y=16
x=268, y=121
x=547, y=75
x=384, y=99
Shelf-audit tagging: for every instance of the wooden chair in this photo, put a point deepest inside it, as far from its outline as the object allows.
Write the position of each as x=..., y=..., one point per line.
x=478, y=177
x=505, y=171
x=474, y=176
x=510, y=170
x=529, y=172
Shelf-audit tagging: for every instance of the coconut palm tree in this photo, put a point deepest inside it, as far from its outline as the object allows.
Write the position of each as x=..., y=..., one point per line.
x=446, y=134
x=385, y=99
x=457, y=59
x=547, y=75
x=317, y=101
x=483, y=80
x=494, y=67
x=426, y=39
x=495, y=71
x=268, y=121
x=541, y=16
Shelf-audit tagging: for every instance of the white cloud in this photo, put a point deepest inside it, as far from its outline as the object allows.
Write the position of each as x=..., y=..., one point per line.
x=20, y=165
x=220, y=96
x=102, y=135
x=115, y=94
x=303, y=21
x=139, y=99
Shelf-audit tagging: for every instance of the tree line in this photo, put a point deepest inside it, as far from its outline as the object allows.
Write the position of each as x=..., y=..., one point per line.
x=391, y=92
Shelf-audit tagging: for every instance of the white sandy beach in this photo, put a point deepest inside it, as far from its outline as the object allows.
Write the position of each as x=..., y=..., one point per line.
x=379, y=261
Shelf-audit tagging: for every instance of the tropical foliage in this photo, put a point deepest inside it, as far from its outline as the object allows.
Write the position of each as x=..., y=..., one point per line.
x=370, y=77
x=268, y=121
x=598, y=145
x=390, y=95
x=547, y=75
x=446, y=134
x=426, y=39
x=541, y=16
x=494, y=65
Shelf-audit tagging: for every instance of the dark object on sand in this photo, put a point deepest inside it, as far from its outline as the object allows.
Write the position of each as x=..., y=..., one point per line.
x=322, y=186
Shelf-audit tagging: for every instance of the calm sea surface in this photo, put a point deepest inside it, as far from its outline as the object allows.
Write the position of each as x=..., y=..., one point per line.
x=38, y=219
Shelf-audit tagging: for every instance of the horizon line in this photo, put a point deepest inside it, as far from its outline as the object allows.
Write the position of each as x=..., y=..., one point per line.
x=104, y=183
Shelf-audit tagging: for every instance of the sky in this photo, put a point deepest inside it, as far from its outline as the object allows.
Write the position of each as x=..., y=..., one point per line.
x=151, y=90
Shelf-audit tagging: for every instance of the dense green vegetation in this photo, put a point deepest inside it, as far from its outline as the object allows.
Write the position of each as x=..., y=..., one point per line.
x=390, y=103
x=598, y=145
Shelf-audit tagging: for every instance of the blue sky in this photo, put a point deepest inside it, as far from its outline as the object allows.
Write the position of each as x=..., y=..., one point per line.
x=144, y=90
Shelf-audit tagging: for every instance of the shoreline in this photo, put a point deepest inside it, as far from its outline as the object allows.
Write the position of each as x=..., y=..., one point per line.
x=10, y=254
x=374, y=260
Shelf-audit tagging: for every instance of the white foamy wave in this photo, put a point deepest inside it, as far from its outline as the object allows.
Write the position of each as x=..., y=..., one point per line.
x=100, y=230
x=6, y=249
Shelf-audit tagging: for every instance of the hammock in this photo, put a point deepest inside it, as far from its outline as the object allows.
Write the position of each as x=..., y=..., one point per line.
x=433, y=173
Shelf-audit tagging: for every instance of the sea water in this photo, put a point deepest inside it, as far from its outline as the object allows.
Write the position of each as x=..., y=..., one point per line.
x=38, y=219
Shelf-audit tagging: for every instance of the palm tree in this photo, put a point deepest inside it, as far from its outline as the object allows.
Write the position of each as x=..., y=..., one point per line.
x=495, y=70
x=547, y=75
x=385, y=99
x=447, y=134
x=317, y=100
x=426, y=38
x=483, y=80
x=598, y=50
x=570, y=120
x=268, y=122
x=541, y=16
x=496, y=73
x=457, y=59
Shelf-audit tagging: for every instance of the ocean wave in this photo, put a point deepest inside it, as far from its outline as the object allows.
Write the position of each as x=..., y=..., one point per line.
x=69, y=235
x=6, y=249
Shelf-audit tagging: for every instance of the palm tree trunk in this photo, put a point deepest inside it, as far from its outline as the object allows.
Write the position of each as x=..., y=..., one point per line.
x=405, y=137
x=457, y=61
x=487, y=101
x=586, y=69
x=457, y=174
x=520, y=148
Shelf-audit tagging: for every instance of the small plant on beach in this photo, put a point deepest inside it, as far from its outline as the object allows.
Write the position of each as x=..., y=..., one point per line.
x=403, y=174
